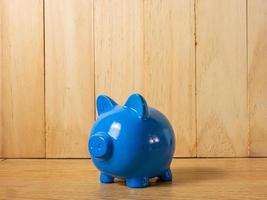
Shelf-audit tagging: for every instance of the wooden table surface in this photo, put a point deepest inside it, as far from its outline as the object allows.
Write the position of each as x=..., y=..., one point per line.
x=241, y=178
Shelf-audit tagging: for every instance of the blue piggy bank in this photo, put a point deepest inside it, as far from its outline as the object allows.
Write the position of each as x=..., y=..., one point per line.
x=133, y=142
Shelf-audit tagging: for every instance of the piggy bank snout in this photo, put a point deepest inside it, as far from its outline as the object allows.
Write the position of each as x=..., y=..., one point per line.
x=100, y=146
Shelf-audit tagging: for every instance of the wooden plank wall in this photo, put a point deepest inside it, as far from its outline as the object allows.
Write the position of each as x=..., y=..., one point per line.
x=257, y=76
x=69, y=76
x=201, y=62
x=22, y=79
x=221, y=61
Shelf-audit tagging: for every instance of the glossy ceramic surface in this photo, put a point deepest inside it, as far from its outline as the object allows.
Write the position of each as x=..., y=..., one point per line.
x=133, y=142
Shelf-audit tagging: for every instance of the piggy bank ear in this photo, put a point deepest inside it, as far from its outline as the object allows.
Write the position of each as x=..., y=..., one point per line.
x=138, y=104
x=104, y=104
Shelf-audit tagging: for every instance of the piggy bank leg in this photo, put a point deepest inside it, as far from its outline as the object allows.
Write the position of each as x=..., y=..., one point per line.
x=104, y=178
x=166, y=175
x=137, y=182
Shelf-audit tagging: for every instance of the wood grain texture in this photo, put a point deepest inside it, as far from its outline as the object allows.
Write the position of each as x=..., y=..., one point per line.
x=69, y=76
x=257, y=61
x=140, y=46
x=118, y=47
x=242, y=179
x=222, y=114
x=169, y=70
x=22, y=79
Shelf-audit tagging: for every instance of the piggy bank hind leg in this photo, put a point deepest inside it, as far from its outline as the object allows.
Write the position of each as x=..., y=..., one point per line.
x=166, y=175
x=104, y=178
x=137, y=182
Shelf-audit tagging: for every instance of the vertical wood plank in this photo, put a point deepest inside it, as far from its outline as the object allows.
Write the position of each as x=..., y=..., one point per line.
x=1, y=84
x=257, y=61
x=69, y=76
x=222, y=114
x=169, y=66
x=148, y=47
x=118, y=47
x=22, y=79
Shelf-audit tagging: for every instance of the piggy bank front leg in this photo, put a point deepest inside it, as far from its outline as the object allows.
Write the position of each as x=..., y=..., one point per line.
x=104, y=178
x=166, y=175
x=137, y=182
